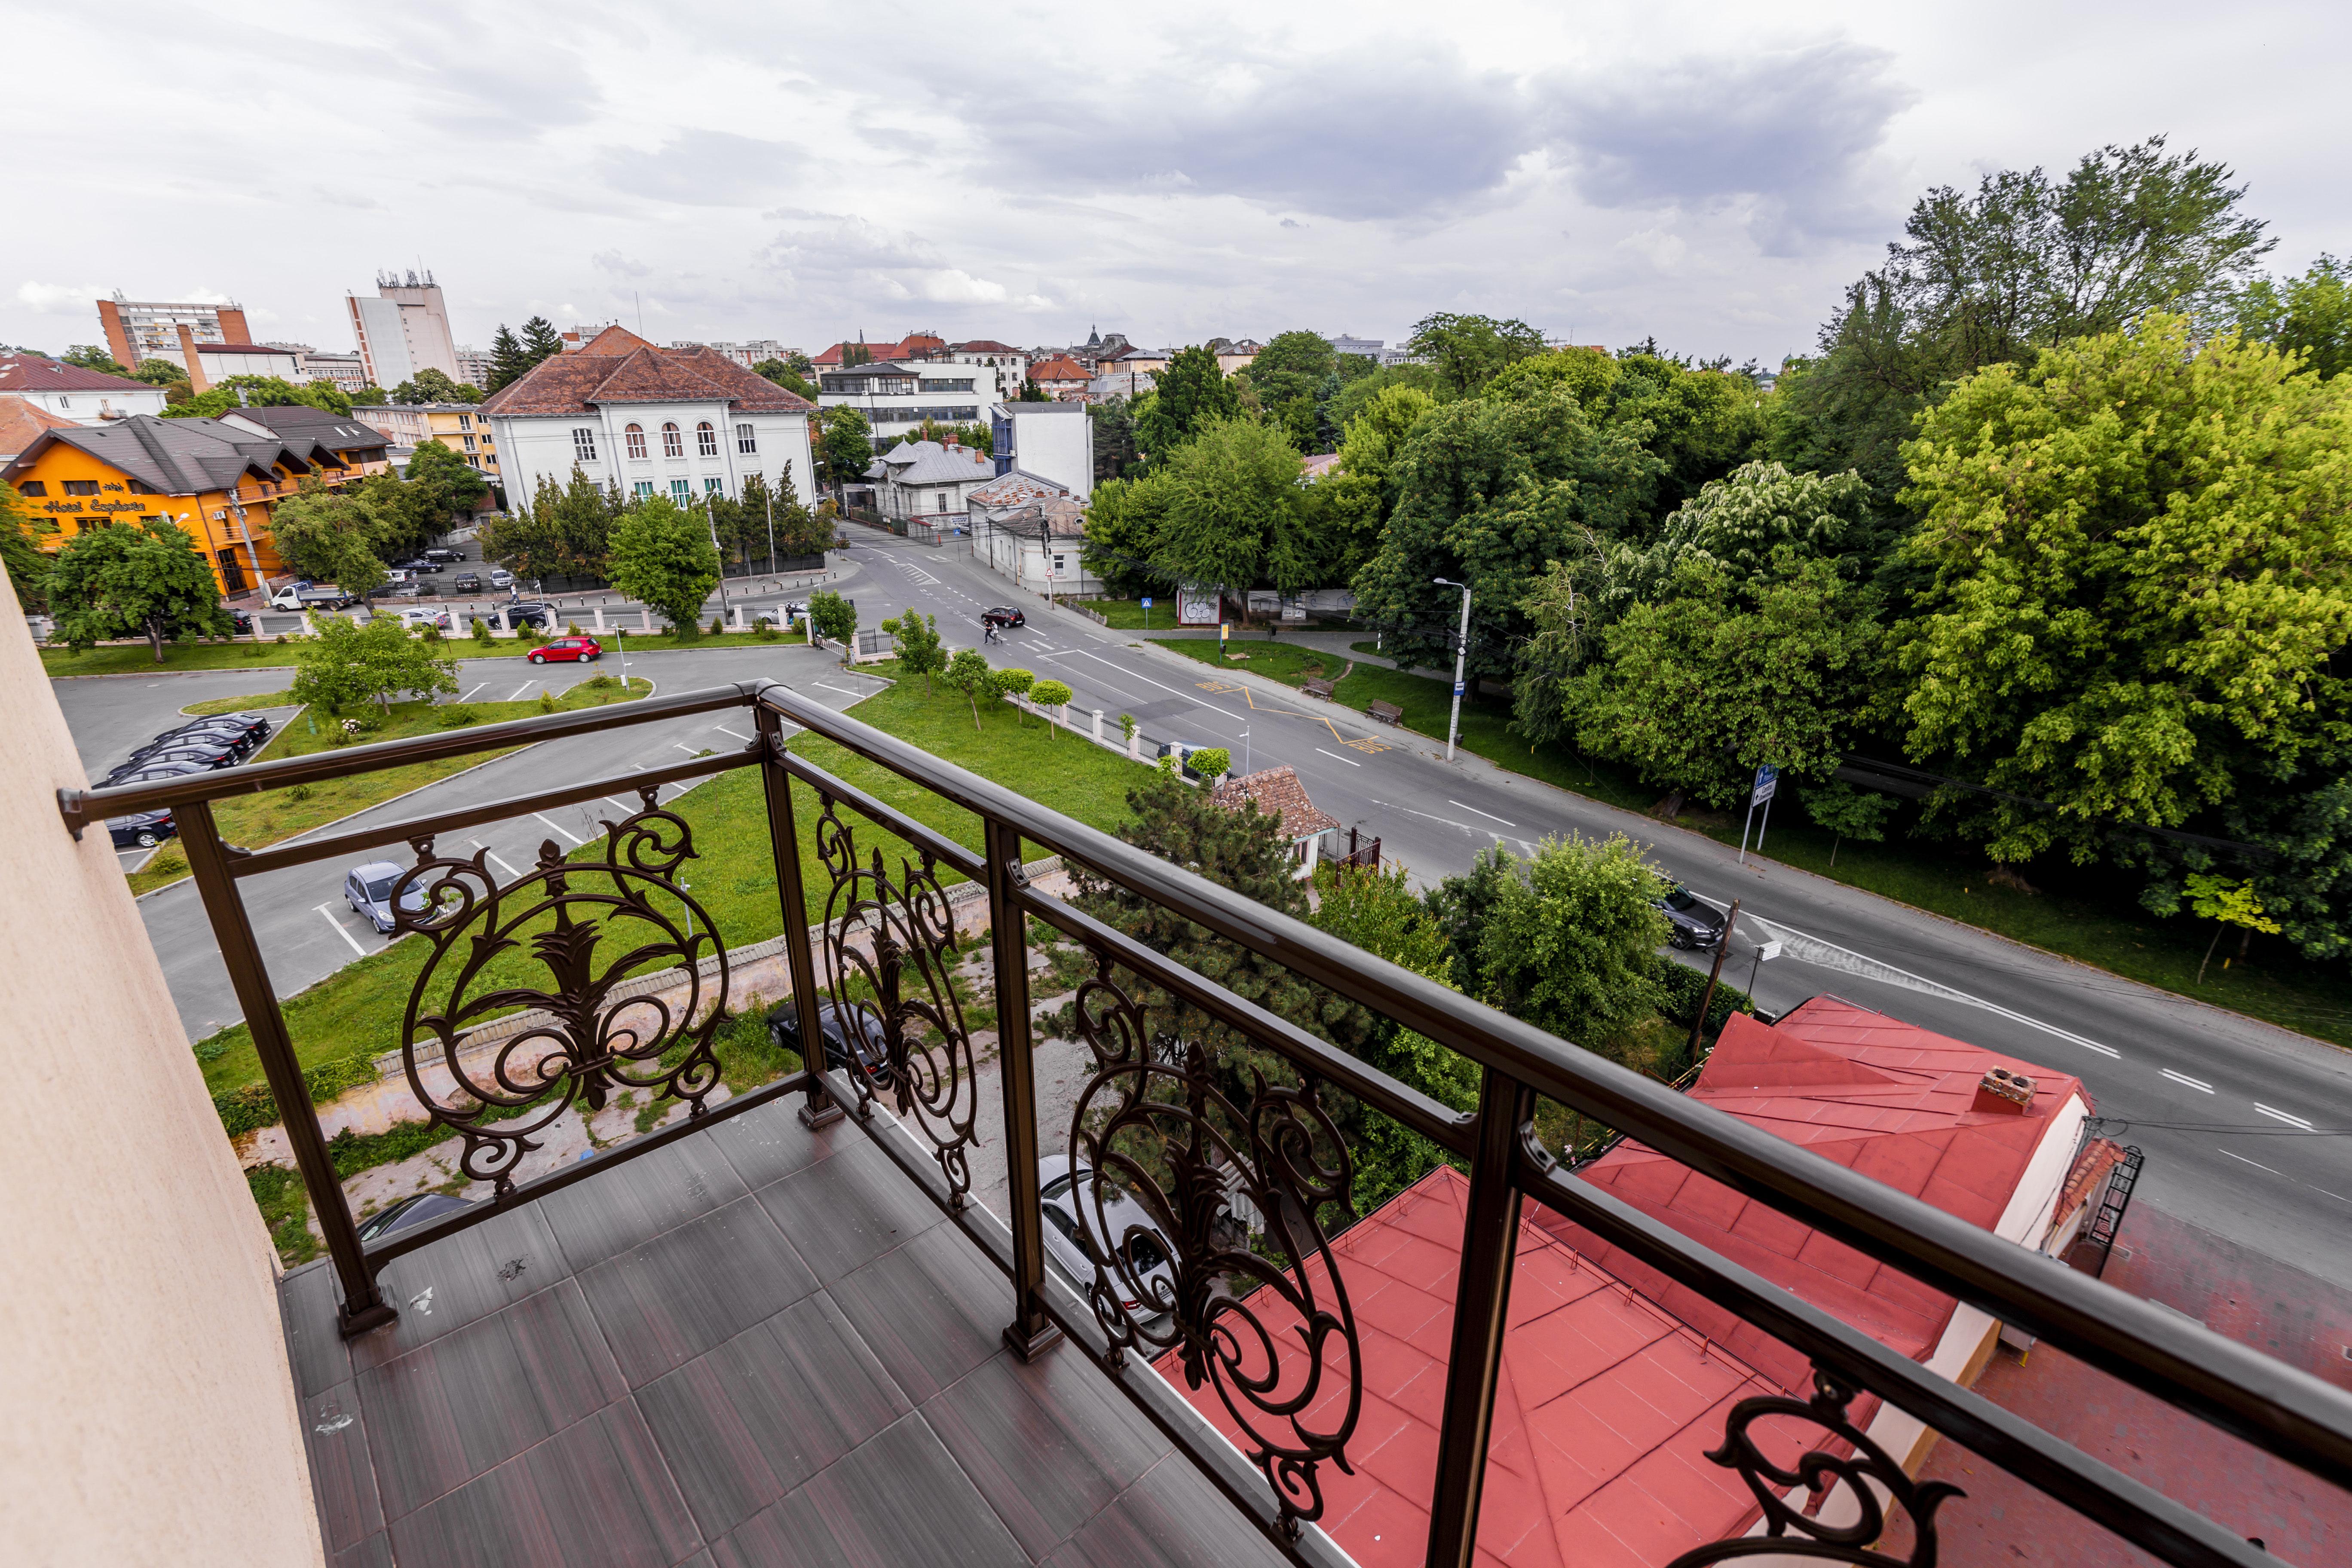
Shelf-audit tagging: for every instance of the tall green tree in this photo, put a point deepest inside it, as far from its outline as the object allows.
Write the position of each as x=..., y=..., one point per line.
x=540, y=339
x=1361, y=486
x=921, y=650
x=430, y=385
x=2021, y=264
x=2138, y=584
x=349, y=664
x=1190, y=394
x=1232, y=510
x=1469, y=351
x=28, y=565
x=142, y=579
x=159, y=373
x=529, y=541
x=459, y=484
x=1116, y=453
x=89, y=356
x=2310, y=315
x=846, y=450
x=329, y=536
x=509, y=362
x=782, y=373
x=660, y=554
x=259, y=391
x=1292, y=365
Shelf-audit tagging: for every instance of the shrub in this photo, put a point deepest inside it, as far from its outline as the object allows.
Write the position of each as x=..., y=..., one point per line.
x=481, y=631
x=766, y=632
x=572, y=628
x=1213, y=762
x=547, y=703
x=718, y=626
x=456, y=717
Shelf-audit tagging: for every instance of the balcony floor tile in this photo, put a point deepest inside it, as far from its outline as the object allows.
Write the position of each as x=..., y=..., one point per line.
x=669, y=1301
x=899, y=1499
x=846, y=1212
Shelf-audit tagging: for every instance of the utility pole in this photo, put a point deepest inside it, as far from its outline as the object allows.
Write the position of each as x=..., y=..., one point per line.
x=710, y=515
x=1706, y=999
x=772, y=525
x=1767, y=782
x=1461, y=660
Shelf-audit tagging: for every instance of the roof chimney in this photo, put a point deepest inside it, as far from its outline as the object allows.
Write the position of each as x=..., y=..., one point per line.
x=197, y=380
x=2003, y=1091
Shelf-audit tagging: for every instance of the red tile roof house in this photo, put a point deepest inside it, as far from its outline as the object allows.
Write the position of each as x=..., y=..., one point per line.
x=1615, y=1383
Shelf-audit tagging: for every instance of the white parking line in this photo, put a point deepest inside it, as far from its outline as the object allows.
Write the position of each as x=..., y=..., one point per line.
x=725, y=730
x=327, y=913
x=462, y=696
x=1475, y=812
x=845, y=691
x=1337, y=758
x=519, y=690
x=682, y=746
x=494, y=859
x=2185, y=1078
x=557, y=826
x=2282, y=1116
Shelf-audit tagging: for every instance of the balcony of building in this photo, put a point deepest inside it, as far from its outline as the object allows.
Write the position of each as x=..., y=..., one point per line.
x=823, y=1318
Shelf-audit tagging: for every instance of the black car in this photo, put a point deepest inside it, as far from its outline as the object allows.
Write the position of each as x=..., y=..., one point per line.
x=242, y=622
x=1691, y=922
x=202, y=753
x=531, y=613
x=410, y=1211
x=421, y=563
x=142, y=831
x=247, y=731
x=467, y=583
x=151, y=773
x=443, y=553
x=1003, y=615
x=785, y=1030
x=236, y=740
x=397, y=591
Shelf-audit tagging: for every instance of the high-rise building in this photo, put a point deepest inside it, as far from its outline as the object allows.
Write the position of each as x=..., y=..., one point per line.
x=404, y=329
x=139, y=330
x=473, y=366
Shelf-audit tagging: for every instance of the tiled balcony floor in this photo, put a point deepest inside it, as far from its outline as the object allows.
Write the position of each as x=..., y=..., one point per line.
x=756, y=1346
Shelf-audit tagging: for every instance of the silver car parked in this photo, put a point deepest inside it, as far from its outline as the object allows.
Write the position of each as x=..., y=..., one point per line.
x=369, y=889
x=1071, y=1244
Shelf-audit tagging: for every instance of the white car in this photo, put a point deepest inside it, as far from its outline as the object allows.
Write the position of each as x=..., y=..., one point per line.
x=427, y=617
x=501, y=578
x=1070, y=1245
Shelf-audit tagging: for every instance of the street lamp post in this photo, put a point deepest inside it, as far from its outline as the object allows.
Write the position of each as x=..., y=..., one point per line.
x=1460, y=659
x=710, y=515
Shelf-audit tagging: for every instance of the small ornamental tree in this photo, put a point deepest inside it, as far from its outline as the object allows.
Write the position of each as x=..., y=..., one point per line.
x=2226, y=903
x=836, y=617
x=1849, y=812
x=1014, y=683
x=1049, y=694
x=921, y=650
x=969, y=673
x=135, y=580
x=347, y=664
x=1213, y=762
x=660, y=554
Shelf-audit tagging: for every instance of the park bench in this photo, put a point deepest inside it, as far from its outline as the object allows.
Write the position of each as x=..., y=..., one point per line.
x=1386, y=712
x=1318, y=687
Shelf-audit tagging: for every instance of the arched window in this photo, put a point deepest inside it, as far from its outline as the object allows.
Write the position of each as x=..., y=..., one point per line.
x=673, y=446
x=706, y=439
x=636, y=437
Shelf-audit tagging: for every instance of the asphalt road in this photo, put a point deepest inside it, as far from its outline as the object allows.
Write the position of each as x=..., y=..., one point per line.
x=2245, y=1126
x=306, y=930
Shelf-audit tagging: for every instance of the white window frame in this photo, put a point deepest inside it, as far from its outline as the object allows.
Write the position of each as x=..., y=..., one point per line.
x=673, y=439
x=584, y=443
x=643, y=490
x=634, y=440
x=747, y=439
x=681, y=492
x=706, y=439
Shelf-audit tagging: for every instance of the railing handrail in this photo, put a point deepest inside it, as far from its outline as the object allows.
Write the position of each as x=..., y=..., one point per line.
x=2277, y=1407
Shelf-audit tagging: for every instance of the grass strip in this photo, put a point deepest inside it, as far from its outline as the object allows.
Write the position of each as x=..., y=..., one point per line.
x=137, y=659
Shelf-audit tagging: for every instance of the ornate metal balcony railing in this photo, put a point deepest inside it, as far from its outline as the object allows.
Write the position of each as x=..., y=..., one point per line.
x=1156, y=1125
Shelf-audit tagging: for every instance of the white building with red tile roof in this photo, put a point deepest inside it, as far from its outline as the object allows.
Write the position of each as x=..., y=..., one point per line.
x=70, y=392
x=683, y=423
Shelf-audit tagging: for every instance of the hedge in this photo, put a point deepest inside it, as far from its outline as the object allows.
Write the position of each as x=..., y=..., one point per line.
x=252, y=1107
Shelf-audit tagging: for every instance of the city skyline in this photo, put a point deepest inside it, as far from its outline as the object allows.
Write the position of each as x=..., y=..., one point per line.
x=1690, y=173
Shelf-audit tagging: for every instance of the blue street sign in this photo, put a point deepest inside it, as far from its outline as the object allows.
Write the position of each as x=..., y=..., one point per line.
x=1768, y=779
x=1457, y=689
x=1147, y=602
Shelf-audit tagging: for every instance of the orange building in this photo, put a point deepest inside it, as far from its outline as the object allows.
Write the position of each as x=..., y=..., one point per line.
x=216, y=479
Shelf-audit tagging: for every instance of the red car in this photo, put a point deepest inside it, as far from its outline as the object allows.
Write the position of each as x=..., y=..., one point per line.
x=586, y=649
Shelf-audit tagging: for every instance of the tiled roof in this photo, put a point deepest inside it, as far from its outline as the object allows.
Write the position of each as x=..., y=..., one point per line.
x=22, y=421
x=1277, y=792
x=985, y=346
x=35, y=372
x=1015, y=488
x=300, y=422
x=180, y=456
x=950, y=465
x=573, y=383
x=1317, y=464
x=1061, y=367
x=832, y=355
x=245, y=349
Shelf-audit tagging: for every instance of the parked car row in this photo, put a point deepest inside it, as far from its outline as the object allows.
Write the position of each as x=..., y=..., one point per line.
x=220, y=741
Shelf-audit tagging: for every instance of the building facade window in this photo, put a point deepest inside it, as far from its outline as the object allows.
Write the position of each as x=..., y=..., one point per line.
x=636, y=437
x=81, y=487
x=470, y=443
x=643, y=490
x=673, y=444
x=712, y=487
x=706, y=439
x=680, y=491
x=584, y=443
x=32, y=489
x=747, y=440
x=464, y=422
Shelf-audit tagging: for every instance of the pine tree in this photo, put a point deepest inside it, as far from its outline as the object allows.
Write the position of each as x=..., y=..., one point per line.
x=539, y=339
x=509, y=361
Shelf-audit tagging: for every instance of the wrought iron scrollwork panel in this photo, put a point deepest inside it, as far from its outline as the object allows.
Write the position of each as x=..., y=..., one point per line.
x=893, y=940
x=591, y=926
x=1269, y=1326
x=1819, y=1470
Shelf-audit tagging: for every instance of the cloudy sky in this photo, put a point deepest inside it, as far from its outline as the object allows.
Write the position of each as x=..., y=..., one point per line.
x=1710, y=173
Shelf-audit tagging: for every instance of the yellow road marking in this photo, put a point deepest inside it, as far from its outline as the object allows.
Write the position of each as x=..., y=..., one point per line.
x=1370, y=747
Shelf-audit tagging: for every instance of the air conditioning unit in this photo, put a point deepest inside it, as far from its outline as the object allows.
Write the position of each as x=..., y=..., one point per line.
x=221, y=516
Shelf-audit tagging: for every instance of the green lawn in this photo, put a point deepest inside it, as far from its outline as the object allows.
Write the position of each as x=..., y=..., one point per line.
x=253, y=821
x=359, y=1007
x=1288, y=662
x=137, y=659
x=1128, y=615
x=2083, y=914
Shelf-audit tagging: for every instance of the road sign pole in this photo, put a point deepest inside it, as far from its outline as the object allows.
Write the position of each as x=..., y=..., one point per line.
x=1765, y=826
x=1460, y=663
x=1744, y=827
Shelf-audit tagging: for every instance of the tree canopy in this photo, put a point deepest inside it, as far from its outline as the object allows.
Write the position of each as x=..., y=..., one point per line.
x=135, y=579
x=1469, y=351
x=329, y=536
x=1190, y=394
x=845, y=448
x=430, y=385
x=347, y=663
x=257, y=391
x=660, y=554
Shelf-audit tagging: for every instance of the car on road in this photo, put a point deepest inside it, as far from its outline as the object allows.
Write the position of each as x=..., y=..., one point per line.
x=501, y=578
x=414, y=1209
x=420, y=564
x=151, y=773
x=205, y=750
x=1692, y=923
x=142, y=830
x=837, y=1025
x=422, y=616
x=242, y=622
x=1003, y=615
x=444, y=554
x=585, y=650
x=397, y=589
x=1072, y=1245
x=781, y=614
x=369, y=889
x=467, y=583
x=531, y=613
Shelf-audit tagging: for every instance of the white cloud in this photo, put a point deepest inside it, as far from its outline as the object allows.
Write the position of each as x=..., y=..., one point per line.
x=61, y=300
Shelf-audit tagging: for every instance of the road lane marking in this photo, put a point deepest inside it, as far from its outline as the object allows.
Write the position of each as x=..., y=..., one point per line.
x=494, y=859
x=558, y=826
x=725, y=730
x=2184, y=1078
x=328, y=915
x=1337, y=758
x=845, y=691
x=2257, y=1164
x=2282, y=1116
x=463, y=695
x=1475, y=812
x=1464, y=826
x=1148, y=682
x=526, y=685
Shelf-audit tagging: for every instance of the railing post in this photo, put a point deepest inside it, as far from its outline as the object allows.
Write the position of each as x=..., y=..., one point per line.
x=1482, y=1300
x=1031, y=1332
x=363, y=1306
x=784, y=844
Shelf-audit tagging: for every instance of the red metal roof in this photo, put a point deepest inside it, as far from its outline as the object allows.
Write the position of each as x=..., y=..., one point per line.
x=1614, y=1382
x=37, y=373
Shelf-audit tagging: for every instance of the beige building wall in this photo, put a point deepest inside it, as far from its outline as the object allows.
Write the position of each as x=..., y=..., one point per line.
x=147, y=1411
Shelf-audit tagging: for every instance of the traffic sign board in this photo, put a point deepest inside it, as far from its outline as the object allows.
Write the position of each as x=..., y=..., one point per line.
x=1767, y=780
x=1147, y=601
